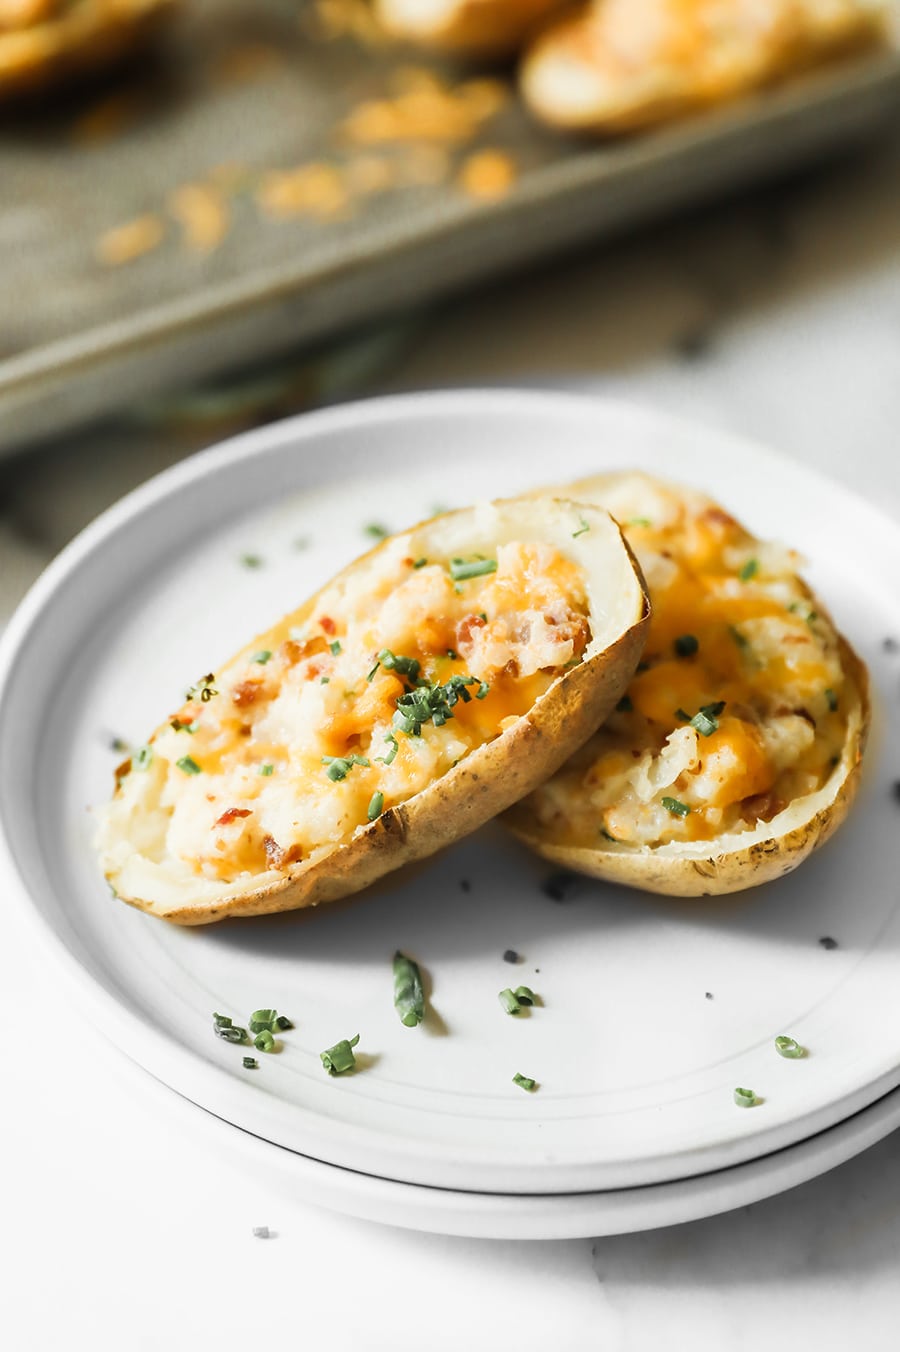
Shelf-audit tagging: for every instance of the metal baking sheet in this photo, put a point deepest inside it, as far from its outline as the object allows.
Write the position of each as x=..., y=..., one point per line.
x=244, y=89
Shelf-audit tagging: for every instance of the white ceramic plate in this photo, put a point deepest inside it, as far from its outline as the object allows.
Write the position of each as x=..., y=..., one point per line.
x=636, y=1065
x=617, y=1211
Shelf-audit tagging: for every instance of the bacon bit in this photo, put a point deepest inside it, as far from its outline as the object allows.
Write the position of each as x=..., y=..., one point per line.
x=274, y=853
x=276, y=856
x=326, y=623
x=716, y=517
x=294, y=650
x=762, y=806
x=465, y=627
x=246, y=693
x=244, y=730
x=231, y=814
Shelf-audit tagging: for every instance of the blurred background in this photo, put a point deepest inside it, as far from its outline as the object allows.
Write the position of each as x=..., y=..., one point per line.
x=218, y=212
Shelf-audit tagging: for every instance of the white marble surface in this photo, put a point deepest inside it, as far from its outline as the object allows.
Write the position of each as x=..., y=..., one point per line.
x=124, y=1227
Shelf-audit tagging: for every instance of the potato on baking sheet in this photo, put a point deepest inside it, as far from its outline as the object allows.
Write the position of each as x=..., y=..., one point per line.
x=43, y=41
x=619, y=65
x=736, y=749
x=464, y=25
x=432, y=683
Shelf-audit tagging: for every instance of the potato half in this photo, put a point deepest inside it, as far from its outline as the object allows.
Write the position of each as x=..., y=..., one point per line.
x=478, y=26
x=620, y=65
x=426, y=688
x=736, y=750
x=45, y=41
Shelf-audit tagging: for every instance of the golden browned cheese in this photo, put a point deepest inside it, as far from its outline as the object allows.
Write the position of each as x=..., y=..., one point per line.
x=625, y=64
x=480, y=26
x=426, y=688
x=746, y=717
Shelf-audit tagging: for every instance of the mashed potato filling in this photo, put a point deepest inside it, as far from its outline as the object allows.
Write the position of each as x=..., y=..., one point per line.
x=401, y=670
x=739, y=705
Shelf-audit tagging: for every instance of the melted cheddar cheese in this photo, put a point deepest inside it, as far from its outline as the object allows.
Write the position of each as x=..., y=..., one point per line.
x=735, y=710
x=303, y=738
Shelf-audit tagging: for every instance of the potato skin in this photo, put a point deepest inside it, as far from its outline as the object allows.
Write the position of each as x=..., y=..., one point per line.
x=728, y=867
x=732, y=864
x=483, y=785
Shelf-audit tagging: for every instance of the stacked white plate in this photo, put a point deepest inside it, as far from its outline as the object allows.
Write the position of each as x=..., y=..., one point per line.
x=651, y=1012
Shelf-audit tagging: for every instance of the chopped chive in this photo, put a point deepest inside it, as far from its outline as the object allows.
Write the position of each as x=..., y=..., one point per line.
x=686, y=645
x=676, y=808
x=325, y=680
x=404, y=666
x=559, y=886
x=376, y=530
x=740, y=639
x=828, y=943
x=203, y=689
x=250, y=561
x=178, y=725
x=142, y=758
x=283, y=1023
x=264, y=1041
x=339, y=767
x=832, y=700
x=750, y=569
x=118, y=744
x=461, y=570
x=525, y=995
x=266, y=769
x=582, y=530
x=744, y=1098
x=812, y=616
x=640, y=521
x=786, y=1046
x=222, y=1021
x=372, y=673
x=340, y=1057
x=409, y=995
x=510, y=955
x=262, y=1020
x=188, y=765
x=509, y=1002
x=706, y=720
x=250, y=1063
x=376, y=805
x=261, y=657
x=420, y=563
x=453, y=655
x=483, y=689
x=525, y=1082
x=231, y=1033
x=395, y=746
x=335, y=647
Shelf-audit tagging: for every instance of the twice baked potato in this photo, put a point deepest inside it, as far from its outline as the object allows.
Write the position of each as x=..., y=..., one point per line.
x=427, y=687
x=736, y=749
x=469, y=26
x=44, y=41
x=621, y=65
